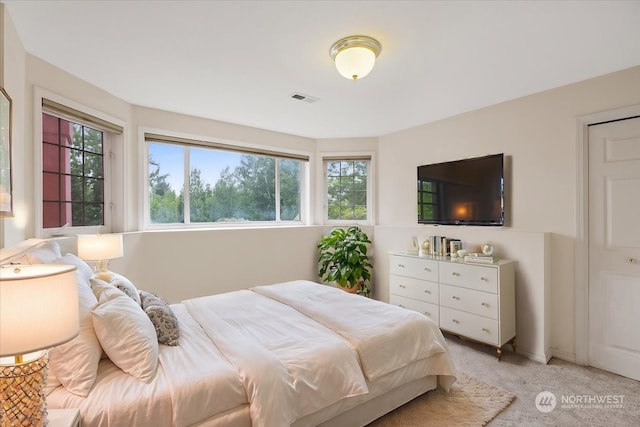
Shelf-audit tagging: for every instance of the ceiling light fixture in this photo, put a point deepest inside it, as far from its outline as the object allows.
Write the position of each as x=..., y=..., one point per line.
x=355, y=56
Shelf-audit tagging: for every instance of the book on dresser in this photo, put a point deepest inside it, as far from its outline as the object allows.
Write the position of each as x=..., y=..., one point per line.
x=471, y=299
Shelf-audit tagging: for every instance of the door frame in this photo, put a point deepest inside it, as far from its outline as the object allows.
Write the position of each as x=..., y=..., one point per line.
x=581, y=252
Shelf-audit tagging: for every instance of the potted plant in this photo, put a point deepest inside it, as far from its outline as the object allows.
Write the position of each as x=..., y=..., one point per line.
x=343, y=259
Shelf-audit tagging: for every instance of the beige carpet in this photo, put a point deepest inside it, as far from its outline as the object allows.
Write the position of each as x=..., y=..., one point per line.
x=469, y=403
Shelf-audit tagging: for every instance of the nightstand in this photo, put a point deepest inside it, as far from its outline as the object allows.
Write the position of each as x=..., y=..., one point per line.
x=63, y=417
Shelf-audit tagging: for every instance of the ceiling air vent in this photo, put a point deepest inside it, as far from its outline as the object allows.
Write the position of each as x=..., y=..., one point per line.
x=305, y=98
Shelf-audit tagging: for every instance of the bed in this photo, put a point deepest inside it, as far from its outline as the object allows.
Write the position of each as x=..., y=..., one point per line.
x=296, y=353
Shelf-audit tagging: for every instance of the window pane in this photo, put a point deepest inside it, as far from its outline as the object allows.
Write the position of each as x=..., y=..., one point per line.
x=51, y=215
x=50, y=129
x=166, y=181
x=92, y=140
x=93, y=214
x=92, y=190
x=92, y=165
x=256, y=175
x=50, y=158
x=347, y=190
x=290, y=191
x=50, y=186
x=224, y=186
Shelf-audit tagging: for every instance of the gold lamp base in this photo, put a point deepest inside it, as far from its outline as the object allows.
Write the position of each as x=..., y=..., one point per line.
x=22, y=387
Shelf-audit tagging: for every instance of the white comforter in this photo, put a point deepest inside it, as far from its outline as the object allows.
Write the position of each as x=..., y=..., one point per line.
x=386, y=337
x=300, y=346
x=289, y=365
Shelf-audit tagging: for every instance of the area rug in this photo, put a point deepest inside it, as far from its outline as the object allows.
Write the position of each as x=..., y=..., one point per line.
x=470, y=402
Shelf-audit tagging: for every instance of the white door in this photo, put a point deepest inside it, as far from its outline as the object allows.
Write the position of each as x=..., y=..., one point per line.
x=614, y=247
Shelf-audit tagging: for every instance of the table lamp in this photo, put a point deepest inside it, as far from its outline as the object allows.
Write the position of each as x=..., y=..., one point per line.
x=100, y=248
x=38, y=310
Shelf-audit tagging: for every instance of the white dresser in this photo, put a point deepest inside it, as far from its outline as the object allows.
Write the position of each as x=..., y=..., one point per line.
x=475, y=301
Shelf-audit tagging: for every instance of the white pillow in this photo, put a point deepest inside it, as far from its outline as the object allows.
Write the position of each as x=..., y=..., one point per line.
x=84, y=271
x=126, y=334
x=75, y=363
x=43, y=253
x=103, y=290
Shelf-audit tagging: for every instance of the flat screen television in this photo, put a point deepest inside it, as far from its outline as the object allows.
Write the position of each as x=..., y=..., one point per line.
x=462, y=192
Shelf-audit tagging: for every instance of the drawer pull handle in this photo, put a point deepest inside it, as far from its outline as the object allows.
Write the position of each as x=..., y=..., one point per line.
x=427, y=292
x=456, y=298
x=401, y=265
x=400, y=305
x=402, y=286
x=427, y=269
x=484, y=304
x=485, y=330
x=427, y=313
x=484, y=279
x=455, y=274
x=455, y=321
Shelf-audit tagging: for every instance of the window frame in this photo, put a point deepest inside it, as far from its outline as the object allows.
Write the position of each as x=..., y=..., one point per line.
x=145, y=136
x=369, y=157
x=113, y=171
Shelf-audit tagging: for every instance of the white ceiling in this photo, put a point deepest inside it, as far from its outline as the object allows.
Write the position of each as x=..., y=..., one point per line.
x=240, y=61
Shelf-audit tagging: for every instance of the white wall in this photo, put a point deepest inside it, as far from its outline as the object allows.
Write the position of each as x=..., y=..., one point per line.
x=538, y=135
x=13, y=80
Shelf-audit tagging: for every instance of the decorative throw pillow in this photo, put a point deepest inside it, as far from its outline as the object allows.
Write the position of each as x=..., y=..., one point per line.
x=163, y=318
x=75, y=363
x=125, y=286
x=126, y=334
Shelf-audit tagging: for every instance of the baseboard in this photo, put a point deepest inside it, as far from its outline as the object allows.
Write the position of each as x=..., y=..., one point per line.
x=564, y=355
x=536, y=357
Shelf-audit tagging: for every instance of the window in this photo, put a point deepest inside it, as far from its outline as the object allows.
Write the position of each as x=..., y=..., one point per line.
x=72, y=173
x=348, y=189
x=75, y=168
x=193, y=182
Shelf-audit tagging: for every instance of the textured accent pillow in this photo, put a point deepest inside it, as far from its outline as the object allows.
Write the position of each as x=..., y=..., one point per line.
x=75, y=363
x=125, y=286
x=163, y=318
x=126, y=334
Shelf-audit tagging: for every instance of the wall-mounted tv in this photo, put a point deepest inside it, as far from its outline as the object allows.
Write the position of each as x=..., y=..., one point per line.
x=462, y=192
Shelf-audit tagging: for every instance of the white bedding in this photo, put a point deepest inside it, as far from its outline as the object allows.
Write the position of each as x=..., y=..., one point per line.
x=287, y=352
x=386, y=337
x=288, y=371
x=193, y=382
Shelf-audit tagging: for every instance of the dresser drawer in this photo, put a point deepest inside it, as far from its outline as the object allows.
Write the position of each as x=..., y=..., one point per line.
x=414, y=288
x=469, y=300
x=470, y=325
x=418, y=268
x=474, y=276
x=430, y=310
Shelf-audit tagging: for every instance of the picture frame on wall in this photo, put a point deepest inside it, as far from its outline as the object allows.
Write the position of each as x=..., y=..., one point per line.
x=6, y=190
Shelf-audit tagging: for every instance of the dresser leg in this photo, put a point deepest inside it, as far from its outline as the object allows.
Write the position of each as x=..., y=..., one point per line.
x=513, y=344
x=499, y=352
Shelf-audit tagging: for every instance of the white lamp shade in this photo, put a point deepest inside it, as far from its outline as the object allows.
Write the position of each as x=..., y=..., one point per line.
x=96, y=247
x=38, y=307
x=355, y=62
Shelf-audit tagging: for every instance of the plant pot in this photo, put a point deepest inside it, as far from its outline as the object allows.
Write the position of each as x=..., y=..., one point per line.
x=351, y=289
